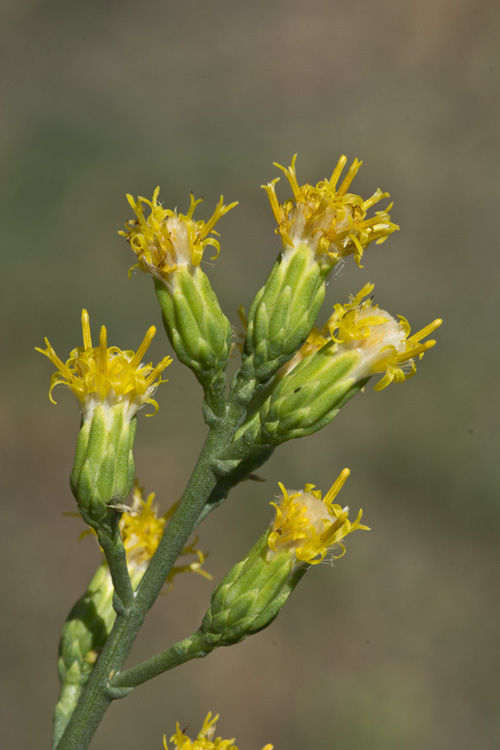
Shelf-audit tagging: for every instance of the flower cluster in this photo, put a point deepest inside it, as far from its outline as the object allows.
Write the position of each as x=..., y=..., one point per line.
x=205, y=739
x=328, y=218
x=311, y=525
x=305, y=528
x=294, y=378
x=107, y=375
x=142, y=528
x=166, y=240
x=384, y=343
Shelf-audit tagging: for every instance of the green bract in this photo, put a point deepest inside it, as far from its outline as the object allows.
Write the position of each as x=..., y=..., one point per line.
x=309, y=397
x=251, y=595
x=196, y=326
x=103, y=472
x=284, y=311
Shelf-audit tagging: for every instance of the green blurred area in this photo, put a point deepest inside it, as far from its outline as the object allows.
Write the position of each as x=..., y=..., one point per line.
x=396, y=645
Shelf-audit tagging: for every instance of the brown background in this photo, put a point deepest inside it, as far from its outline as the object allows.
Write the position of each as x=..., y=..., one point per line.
x=396, y=646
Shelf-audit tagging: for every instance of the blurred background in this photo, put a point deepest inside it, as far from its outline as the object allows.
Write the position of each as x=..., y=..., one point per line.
x=396, y=645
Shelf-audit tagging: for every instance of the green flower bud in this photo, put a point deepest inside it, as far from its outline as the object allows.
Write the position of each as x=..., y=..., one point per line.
x=310, y=396
x=284, y=312
x=196, y=326
x=103, y=472
x=250, y=596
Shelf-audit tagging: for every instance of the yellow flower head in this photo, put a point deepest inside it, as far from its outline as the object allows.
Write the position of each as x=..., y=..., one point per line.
x=166, y=240
x=142, y=529
x=205, y=739
x=328, y=218
x=310, y=524
x=384, y=343
x=102, y=375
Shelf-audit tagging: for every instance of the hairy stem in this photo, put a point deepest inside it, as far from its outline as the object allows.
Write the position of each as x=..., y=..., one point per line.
x=98, y=693
x=196, y=646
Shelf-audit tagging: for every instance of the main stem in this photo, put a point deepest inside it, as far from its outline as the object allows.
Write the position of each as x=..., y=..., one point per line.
x=97, y=696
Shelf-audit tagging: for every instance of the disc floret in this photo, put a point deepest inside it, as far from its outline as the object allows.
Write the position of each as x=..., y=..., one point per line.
x=205, y=739
x=166, y=240
x=105, y=375
x=311, y=525
x=332, y=221
x=384, y=343
x=142, y=528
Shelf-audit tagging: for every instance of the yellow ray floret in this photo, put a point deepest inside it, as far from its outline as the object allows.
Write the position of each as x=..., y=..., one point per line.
x=165, y=239
x=205, y=739
x=384, y=342
x=328, y=218
x=142, y=529
x=105, y=374
x=310, y=524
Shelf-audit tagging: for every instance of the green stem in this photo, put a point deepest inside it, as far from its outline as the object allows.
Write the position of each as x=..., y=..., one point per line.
x=196, y=646
x=244, y=472
x=97, y=696
x=112, y=545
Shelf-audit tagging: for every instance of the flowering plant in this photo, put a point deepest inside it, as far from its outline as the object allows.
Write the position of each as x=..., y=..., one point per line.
x=293, y=379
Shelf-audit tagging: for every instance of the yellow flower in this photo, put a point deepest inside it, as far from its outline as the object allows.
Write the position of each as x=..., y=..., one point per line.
x=311, y=525
x=107, y=376
x=326, y=217
x=166, y=240
x=142, y=529
x=205, y=739
x=384, y=343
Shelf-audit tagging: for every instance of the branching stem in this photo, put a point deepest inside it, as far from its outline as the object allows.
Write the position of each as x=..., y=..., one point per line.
x=98, y=692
